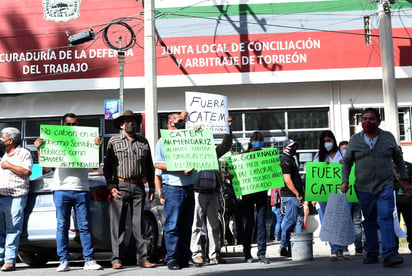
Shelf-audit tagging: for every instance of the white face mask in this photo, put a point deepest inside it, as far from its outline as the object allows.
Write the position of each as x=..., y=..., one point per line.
x=328, y=146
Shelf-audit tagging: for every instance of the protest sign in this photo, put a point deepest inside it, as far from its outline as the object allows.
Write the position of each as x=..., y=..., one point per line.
x=207, y=111
x=185, y=149
x=255, y=171
x=337, y=227
x=69, y=147
x=323, y=179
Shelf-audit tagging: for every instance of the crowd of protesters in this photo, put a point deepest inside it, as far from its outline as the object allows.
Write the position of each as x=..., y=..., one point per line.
x=194, y=200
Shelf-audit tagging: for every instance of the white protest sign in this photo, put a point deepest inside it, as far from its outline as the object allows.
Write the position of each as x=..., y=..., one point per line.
x=396, y=225
x=337, y=227
x=207, y=111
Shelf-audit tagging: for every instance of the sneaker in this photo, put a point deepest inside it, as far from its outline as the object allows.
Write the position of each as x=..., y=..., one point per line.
x=249, y=260
x=63, y=266
x=345, y=254
x=359, y=251
x=283, y=251
x=263, y=260
x=92, y=265
x=371, y=258
x=173, y=265
x=334, y=256
x=392, y=260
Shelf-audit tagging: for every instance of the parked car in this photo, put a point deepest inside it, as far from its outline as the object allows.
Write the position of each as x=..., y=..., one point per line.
x=38, y=240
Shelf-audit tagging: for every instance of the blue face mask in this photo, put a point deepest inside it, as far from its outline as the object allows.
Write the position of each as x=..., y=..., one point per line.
x=257, y=144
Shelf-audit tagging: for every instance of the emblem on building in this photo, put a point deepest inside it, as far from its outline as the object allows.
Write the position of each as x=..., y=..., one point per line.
x=61, y=10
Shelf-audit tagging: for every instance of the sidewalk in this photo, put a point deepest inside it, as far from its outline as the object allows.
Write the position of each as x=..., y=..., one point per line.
x=320, y=248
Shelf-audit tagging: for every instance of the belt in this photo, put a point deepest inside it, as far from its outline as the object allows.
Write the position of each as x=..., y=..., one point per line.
x=133, y=181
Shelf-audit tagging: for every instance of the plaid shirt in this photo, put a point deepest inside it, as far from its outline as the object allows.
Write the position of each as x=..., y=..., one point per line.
x=12, y=184
x=128, y=159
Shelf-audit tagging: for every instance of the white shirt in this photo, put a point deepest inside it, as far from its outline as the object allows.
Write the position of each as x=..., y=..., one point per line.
x=72, y=179
x=337, y=158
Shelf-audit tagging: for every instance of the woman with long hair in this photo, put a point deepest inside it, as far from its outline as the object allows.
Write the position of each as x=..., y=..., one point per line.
x=329, y=152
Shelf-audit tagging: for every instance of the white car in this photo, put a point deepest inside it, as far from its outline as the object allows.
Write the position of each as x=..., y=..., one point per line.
x=38, y=240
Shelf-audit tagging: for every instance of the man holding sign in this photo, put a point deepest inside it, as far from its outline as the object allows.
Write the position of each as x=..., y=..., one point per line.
x=71, y=190
x=179, y=204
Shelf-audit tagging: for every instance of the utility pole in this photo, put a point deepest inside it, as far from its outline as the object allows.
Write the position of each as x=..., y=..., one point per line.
x=390, y=99
x=150, y=74
x=120, y=61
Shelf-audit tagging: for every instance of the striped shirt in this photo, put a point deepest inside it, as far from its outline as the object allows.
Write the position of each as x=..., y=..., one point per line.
x=128, y=159
x=12, y=184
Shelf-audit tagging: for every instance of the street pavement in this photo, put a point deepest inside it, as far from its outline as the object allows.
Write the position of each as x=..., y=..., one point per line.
x=319, y=265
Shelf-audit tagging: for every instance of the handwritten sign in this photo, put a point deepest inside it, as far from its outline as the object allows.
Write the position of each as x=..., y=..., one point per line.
x=255, y=171
x=337, y=224
x=69, y=147
x=207, y=111
x=323, y=179
x=187, y=148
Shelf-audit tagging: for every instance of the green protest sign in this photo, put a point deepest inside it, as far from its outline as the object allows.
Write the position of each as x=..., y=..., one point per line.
x=69, y=147
x=255, y=171
x=323, y=179
x=186, y=148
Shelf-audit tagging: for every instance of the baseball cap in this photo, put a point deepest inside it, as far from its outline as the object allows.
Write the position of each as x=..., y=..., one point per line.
x=288, y=143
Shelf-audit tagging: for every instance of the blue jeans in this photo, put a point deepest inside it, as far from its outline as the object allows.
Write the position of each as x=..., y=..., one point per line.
x=64, y=201
x=357, y=224
x=278, y=218
x=11, y=226
x=299, y=220
x=377, y=211
x=179, y=212
x=290, y=219
x=249, y=201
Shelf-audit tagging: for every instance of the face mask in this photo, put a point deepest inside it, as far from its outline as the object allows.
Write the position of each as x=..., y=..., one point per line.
x=369, y=127
x=328, y=146
x=179, y=124
x=129, y=127
x=257, y=144
x=290, y=151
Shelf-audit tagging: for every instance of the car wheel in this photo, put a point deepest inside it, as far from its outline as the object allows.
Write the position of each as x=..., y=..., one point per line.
x=151, y=236
x=33, y=258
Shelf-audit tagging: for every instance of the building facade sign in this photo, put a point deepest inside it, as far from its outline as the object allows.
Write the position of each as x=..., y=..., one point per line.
x=262, y=41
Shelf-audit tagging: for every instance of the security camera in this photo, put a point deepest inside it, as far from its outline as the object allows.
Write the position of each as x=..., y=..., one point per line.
x=80, y=38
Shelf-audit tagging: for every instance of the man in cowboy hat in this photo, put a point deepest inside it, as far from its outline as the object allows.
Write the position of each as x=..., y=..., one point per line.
x=127, y=165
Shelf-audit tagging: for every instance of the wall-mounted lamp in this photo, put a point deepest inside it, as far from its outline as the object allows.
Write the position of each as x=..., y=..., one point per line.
x=80, y=38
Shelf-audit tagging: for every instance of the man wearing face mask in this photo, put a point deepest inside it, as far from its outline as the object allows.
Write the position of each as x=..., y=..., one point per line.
x=178, y=193
x=15, y=170
x=373, y=151
x=127, y=165
x=292, y=194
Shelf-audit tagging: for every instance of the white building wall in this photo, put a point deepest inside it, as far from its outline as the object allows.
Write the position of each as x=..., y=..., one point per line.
x=338, y=96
